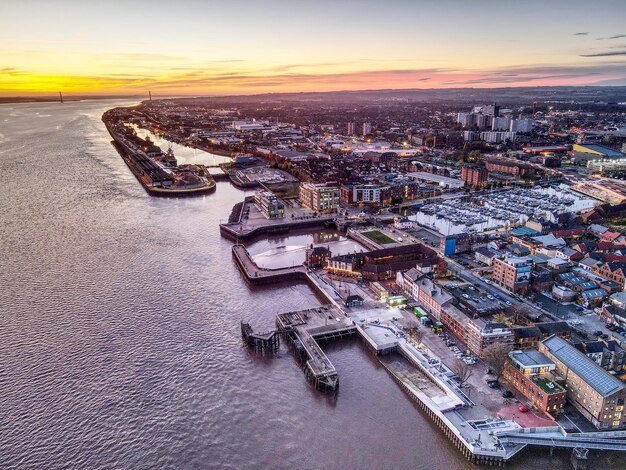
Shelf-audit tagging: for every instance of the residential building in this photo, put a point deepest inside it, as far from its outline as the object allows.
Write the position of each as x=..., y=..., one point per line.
x=598, y=395
x=362, y=194
x=512, y=273
x=269, y=205
x=510, y=167
x=367, y=128
x=432, y=297
x=528, y=337
x=522, y=126
x=456, y=243
x=481, y=334
x=529, y=372
x=609, y=355
x=474, y=176
x=317, y=256
x=615, y=271
x=501, y=123
x=466, y=119
x=495, y=137
x=321, y=198
x=408, y=282
x=484, y=255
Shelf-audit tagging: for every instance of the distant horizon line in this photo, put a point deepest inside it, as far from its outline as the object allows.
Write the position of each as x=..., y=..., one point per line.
x=54, y=96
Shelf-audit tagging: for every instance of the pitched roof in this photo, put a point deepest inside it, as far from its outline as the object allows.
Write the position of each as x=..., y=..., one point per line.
x=553, y=327
x=527, y=332
x=603, y=382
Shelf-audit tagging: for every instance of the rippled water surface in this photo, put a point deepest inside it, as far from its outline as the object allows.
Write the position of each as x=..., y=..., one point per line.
x=119, y=329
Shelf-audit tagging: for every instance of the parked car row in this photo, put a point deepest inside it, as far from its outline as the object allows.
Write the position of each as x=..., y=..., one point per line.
x=467, y=358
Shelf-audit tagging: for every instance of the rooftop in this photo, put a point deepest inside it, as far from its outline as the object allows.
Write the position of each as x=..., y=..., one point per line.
x=530, y=358
x=547, y=385
x=603, y=382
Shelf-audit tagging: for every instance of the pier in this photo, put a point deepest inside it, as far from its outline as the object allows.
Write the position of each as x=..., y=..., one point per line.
x=266, y=342
x=304, y=329
x=307, y=327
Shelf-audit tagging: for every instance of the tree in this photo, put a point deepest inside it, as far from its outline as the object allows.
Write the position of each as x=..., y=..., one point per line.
x=416, y=336
x=520, y=313
x=463, y=371
x=503, y=318
x=495, y=356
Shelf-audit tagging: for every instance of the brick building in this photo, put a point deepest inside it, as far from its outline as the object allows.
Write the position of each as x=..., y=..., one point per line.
x=512, y=273
x=474, y=176
x=528, y=372
x=598, y=395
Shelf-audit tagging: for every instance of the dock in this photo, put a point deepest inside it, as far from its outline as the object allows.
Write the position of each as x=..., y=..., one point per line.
x=257, y=275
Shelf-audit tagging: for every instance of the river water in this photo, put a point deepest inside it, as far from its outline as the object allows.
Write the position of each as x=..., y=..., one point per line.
x=119, y=329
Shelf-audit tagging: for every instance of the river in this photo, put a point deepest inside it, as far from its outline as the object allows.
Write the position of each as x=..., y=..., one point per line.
x=119, y=329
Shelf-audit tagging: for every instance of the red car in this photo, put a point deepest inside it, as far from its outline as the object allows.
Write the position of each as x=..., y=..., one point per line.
x=523, y=409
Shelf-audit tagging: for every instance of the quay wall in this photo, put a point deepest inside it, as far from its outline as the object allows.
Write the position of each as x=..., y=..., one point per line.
x=472, y=453
x=230, y=230
x=269, y=276
x=408, y=355
x=363, y=240
x=469, y=451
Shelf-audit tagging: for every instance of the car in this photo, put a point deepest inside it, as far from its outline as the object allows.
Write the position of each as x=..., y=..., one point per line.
x=523, y=409
x=508, y=303
x=508, y=394
x=604, y=336
x=597, y=332
x=493, y=384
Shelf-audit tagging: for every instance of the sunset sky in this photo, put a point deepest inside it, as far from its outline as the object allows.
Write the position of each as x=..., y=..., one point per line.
x=240, y=46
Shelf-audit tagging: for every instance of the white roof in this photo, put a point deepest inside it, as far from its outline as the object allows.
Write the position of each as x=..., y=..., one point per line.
x=550, y=240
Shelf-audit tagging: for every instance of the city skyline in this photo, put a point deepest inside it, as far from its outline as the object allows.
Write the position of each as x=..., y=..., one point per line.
x=246, y=47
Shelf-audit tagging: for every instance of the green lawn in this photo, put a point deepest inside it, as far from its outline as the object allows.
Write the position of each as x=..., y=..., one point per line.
x=378, y=237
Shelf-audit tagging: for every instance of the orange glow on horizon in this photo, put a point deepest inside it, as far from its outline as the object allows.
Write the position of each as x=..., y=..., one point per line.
x=199, y=82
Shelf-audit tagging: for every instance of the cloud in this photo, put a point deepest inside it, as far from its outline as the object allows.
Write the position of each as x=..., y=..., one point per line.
x=604, y=54
x=142, y=56
x=290, y=78
x=617, y=36
x=585, y=33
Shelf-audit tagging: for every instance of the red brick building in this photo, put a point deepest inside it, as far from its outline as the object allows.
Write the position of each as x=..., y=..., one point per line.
x=512, y=273
x=528, y=372
x=614, y=271
x=509, y=167
x=474, y=176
